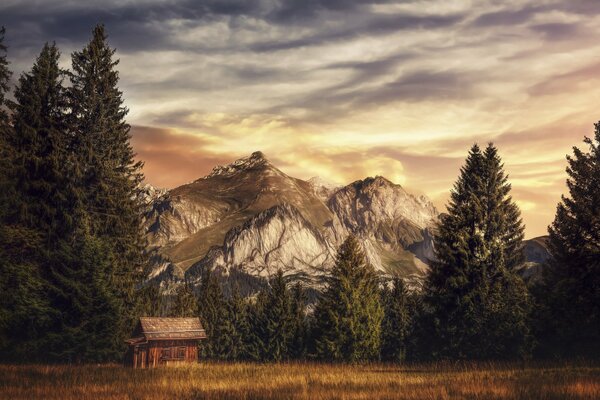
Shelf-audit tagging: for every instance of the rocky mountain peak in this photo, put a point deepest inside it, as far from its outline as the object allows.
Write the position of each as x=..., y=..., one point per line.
x=256, y=159
x=377, y=181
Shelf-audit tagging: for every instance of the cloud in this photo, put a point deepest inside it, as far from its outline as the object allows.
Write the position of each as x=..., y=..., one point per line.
x=504, y=18
x=565, y=82
x=376, y=25
x=556, y=31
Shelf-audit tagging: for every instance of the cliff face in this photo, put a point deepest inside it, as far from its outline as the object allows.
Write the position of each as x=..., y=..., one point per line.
x=277, y=238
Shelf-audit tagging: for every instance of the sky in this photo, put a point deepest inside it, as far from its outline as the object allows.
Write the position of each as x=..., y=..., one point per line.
x=344, y=89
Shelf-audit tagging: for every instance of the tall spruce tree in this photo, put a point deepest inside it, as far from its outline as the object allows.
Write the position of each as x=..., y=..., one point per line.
x=477, y=304
x=571, y=295
x=242, y=344
x=397, y=321
x=275, y=322
x=299, y=328
x=109, y=174
x=214, y=315
x=36, y=206
x=348, y=315
x=6, y=311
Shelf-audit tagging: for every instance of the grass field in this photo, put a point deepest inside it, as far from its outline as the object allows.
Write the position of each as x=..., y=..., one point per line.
x=302, y=381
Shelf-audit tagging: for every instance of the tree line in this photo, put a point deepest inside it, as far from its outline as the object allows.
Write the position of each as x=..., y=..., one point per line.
x=72, y=258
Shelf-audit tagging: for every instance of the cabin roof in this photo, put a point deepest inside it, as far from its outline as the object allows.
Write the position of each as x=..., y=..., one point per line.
x=159, y=328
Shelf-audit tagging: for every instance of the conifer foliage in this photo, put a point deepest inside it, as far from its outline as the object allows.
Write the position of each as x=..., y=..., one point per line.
x=35, y=205
x=213, y=313
x=186, y=304
x=349, y=313
x=110, y=174
x=478, y=305
x=397, y=323
x=71, y=248
x=571, y=295
x=275, y=323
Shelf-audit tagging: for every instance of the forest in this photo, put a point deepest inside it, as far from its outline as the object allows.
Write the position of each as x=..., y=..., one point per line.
x=73, y=260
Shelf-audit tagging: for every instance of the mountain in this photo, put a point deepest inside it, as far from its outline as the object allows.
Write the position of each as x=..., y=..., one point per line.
x=248, y=219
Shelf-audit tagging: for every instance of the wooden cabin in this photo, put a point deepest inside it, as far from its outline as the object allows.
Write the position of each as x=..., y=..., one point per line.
x=163, y=341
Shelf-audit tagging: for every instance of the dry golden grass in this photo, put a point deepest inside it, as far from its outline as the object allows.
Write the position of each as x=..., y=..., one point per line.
x=302, y=381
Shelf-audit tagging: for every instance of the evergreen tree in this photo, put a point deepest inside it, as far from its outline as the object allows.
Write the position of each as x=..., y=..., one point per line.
x=242, y=330
x=348, y=315
x=476, y=303
x=397, y=322
x=253, y=341
x=214, y=316
x=571, y=295
x=275, y=322
x=5, y=75
x=36, y=204
x=186, y=303
x=91, y=314
x=299, y=327
x=109, y=174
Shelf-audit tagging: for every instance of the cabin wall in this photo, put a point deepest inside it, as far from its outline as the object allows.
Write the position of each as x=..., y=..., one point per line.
x=165, y=352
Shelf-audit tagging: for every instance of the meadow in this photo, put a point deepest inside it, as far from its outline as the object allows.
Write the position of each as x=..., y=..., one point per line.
x=303, y=381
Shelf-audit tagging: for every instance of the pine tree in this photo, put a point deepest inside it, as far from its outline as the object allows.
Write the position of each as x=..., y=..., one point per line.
x=7, y=262
x=397, y=322
x=299, y=327
x=348, y=315
x=275, y=322
x=477, y=304
x=214, y=315
x=37, y=205
x=571, y=295
x=186, y=303
x=5, y=75
x=242, y=330
x=108, y=171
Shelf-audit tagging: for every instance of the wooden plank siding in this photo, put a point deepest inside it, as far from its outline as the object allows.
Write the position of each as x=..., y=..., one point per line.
x=165, y=352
